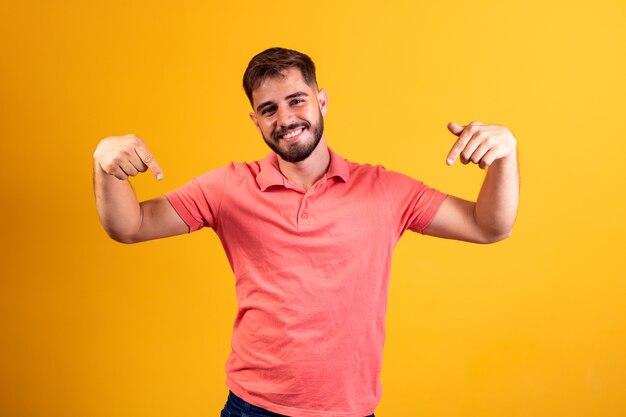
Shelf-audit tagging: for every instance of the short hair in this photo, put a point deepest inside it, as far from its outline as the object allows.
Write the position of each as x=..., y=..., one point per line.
x=272, y=62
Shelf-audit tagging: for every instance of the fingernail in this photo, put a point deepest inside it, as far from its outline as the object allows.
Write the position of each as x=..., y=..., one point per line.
x=449, y=161
x=159, y=177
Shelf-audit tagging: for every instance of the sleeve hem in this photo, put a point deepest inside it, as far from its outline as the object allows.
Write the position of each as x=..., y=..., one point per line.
x=430, y=212
x=184, y=214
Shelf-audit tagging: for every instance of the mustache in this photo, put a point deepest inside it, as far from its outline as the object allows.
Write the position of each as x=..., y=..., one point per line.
x=292, y=126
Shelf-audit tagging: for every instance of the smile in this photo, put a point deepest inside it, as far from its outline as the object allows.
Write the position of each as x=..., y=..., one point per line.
x=292, y=134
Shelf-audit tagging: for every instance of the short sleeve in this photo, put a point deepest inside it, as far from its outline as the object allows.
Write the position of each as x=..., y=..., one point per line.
x=198, y=201
x=412, y=203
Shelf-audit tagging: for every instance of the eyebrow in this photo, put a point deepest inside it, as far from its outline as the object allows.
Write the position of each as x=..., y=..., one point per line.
x=290, y=96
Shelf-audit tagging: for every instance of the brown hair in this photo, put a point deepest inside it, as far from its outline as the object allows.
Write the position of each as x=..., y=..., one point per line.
x=272, y=62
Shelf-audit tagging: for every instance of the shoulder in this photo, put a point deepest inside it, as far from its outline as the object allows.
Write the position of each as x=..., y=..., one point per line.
x=232, y=170
x=387, y=181
x=380, y=172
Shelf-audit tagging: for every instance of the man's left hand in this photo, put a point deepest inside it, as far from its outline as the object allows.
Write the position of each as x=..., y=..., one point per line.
x=481, y=144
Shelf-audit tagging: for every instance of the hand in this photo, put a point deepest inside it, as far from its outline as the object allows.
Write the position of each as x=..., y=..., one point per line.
x=125, y=156
x=481, y=144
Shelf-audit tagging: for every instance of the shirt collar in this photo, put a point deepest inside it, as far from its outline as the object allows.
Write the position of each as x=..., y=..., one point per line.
x=269, y=173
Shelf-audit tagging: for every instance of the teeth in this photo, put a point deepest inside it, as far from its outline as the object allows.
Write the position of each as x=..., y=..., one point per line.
x=292, y=134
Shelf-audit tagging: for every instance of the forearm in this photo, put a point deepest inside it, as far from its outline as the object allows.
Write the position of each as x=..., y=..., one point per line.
x=496, y=206
x=117, y=205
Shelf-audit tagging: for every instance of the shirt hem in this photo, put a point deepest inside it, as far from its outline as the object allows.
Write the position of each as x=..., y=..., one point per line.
x=291, y=411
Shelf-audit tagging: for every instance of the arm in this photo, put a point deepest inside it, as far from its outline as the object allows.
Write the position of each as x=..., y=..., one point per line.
x=492, y=216
x=122, y=216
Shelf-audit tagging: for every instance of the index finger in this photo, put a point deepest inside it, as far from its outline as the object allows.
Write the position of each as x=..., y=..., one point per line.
x=464, y=137
x=457, y=148
x=147, y=158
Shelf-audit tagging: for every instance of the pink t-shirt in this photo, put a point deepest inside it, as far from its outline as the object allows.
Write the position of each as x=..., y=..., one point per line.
x=311, y=271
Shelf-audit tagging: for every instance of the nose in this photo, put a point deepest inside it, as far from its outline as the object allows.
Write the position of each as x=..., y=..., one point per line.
x=284, y=116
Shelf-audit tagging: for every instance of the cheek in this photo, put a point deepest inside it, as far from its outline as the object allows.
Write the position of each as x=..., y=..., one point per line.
x=264, y=125
x=266, y=129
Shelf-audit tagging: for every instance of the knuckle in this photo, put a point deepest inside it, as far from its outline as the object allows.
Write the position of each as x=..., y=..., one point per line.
x=116, y=160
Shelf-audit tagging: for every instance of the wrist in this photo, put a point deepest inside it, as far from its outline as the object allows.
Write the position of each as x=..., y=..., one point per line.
x=509, y=160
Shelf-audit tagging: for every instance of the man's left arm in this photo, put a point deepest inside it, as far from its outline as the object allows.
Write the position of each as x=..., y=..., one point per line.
x=492, y=216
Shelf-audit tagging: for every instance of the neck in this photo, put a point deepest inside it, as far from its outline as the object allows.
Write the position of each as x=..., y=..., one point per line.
x=308, y=172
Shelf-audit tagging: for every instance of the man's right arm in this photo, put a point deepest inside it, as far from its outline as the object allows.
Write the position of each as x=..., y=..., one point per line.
x=125, y=219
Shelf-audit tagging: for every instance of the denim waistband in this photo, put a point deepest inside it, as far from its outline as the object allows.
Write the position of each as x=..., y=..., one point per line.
x=244, y=405
x=249, y=408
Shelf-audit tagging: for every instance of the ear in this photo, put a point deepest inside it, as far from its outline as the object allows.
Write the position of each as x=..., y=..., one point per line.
x=322, y=99
x=254, y=120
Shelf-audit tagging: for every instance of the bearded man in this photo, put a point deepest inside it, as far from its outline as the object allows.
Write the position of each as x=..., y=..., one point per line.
x=309, y=236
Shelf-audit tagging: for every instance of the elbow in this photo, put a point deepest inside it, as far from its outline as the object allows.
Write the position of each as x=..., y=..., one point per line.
x=124, y=240
x=495, y=236
x=122, y=237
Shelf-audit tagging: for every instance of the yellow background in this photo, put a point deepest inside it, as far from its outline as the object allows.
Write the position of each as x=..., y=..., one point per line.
x=533, y=326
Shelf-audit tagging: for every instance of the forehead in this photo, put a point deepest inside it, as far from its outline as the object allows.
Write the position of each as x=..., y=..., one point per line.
x=277, y=88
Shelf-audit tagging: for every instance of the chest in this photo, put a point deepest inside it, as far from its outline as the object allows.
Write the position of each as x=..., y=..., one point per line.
x=334, y=218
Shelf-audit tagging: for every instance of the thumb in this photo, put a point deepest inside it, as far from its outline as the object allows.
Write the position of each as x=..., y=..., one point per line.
x=455, y=128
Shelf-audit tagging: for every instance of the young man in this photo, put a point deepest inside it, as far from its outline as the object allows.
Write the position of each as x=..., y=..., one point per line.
x=309, y=236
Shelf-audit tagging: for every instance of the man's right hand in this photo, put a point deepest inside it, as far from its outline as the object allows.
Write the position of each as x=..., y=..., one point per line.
x=125, y=156
x=122, y=216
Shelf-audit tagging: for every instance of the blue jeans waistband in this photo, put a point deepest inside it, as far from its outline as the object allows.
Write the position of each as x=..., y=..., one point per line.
x=236, y=405
x=249, y=408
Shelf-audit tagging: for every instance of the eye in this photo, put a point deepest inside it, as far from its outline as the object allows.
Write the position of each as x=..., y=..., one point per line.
x=297, y=101
x=267, y=110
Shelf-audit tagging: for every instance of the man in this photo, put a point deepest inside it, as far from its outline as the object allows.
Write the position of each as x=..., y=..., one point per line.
x=309, y=236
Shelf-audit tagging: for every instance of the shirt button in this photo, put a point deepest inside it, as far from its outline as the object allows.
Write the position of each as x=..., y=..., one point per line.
x=304, y=216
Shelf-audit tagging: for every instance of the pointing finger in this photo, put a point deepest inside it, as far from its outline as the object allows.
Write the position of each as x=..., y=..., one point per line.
x=148, y=159
x=456, y=149
x=457, y=130
x=458, y=146
x=464, y=134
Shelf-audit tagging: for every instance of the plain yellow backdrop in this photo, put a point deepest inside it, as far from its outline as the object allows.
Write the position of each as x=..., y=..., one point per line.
x=533, y=326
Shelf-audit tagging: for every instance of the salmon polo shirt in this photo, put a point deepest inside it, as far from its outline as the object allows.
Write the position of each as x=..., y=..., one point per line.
x=311, y=274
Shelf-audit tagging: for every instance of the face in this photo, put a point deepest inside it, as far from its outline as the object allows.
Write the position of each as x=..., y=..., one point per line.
x=289, y=115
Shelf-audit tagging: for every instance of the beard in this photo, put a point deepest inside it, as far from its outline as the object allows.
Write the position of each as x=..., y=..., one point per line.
x=296, y=152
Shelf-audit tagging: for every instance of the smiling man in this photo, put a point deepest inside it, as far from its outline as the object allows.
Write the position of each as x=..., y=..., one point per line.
x=302, y=116
x=309, y=236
